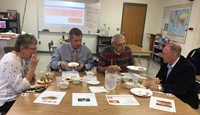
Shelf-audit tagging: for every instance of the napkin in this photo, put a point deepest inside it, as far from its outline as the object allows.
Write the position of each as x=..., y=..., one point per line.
x=97, y=89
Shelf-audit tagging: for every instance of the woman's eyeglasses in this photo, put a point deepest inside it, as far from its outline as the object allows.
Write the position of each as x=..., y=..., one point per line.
x=32, y=48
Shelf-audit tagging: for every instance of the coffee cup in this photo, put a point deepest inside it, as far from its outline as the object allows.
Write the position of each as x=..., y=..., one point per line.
x=76, y=80
x=63, y=84
x=129, y=85
x=126, y=78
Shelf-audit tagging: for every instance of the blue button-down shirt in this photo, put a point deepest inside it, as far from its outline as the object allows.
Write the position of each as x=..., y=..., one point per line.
x=64, y=52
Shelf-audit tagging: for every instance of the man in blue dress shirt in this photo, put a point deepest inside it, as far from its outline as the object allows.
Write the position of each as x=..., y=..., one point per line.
x=72, y=52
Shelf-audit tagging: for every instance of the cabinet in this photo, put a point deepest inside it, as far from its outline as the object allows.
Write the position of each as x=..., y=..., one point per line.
x=10, y=24
x=157, y=50
x=102, y=41
x=4, y=43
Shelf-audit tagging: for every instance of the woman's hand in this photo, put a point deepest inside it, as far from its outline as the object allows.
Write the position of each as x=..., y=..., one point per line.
x=33, y=62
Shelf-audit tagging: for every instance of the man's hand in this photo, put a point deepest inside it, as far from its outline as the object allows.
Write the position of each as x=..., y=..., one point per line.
x=114, y=68
x=80, y=67
x=153, y=85
x=64, y=64
x=157, y=80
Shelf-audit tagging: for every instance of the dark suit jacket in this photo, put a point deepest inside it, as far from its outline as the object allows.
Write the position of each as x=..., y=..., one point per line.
x=181, y=81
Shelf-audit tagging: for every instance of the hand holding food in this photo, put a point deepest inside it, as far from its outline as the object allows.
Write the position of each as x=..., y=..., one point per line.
x=157, y=81
x=152, y=85
x=80, y=67
x=33, y=62
x=64, y=64
x=114, y=68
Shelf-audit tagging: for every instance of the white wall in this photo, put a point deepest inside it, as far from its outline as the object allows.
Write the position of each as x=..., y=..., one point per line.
x=111, y=12
x=111, y=15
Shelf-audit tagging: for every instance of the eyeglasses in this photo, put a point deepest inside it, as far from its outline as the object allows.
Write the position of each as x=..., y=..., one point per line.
x=32, y=48
x=120, y=45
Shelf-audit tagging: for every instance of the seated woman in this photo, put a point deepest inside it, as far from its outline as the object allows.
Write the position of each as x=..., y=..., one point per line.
x=14, y=76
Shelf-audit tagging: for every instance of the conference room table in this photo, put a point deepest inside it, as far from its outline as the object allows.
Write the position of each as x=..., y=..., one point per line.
x=139, y=51
x=24, y=104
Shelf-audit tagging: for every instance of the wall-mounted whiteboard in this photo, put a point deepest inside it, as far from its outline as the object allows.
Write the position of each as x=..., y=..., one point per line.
x=61, y=16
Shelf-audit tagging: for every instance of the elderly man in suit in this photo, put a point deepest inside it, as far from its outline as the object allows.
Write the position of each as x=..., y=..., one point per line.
x=176, y=76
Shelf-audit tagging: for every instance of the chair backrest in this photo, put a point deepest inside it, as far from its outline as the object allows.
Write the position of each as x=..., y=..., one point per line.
x=8, y=49
x=194, y=57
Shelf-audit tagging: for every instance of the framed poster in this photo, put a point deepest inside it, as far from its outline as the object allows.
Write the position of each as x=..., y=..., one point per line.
x=177, y=18
x=3, y=15
x=178, y=24
x=12, y=14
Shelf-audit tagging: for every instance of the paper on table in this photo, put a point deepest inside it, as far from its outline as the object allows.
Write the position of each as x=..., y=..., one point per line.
x=121, y=100
x=162, y=104
x=97, y=89
x=50, y=97
x=69, y=74
x=134, y=74
x=84, y=99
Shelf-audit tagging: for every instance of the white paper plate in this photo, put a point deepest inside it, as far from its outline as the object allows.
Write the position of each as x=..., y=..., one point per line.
x=73, y=64
x=137, y=68
x=141, y=92
x=93, y=82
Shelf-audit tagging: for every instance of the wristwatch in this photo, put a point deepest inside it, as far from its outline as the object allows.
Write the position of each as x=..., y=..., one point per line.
x=160, y=88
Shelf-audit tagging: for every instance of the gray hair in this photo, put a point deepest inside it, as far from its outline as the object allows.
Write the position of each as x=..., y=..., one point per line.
x=24, y=41
x=175, y=48
x=117, y=36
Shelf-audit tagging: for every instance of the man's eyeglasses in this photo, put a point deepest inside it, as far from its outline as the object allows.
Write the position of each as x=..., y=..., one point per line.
x=120, y=45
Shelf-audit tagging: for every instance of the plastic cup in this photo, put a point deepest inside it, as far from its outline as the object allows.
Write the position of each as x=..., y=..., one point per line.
x=110, y=80
x=58, y=80
x=84, y=81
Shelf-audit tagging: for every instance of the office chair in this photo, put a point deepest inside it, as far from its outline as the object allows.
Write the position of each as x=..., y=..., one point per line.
x=8, y=49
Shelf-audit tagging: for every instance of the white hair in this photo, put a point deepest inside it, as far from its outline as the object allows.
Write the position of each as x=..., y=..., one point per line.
x=117, y=36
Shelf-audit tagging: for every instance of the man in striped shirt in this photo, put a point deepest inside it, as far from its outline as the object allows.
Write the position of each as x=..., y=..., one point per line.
x=116, y=56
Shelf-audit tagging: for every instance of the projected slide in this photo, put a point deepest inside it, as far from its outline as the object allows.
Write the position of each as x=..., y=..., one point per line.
x=61, y=16
x=64, y=13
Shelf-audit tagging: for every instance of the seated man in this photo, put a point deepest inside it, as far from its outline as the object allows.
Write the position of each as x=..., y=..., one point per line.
x=72, y=52
x=115, y=57
x=176, y=76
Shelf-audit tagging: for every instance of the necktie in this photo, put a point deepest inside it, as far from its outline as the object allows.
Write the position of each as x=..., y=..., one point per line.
x=169, y=69
x=74, y=56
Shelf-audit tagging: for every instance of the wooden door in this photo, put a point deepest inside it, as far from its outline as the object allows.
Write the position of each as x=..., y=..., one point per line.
x=133, y=22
